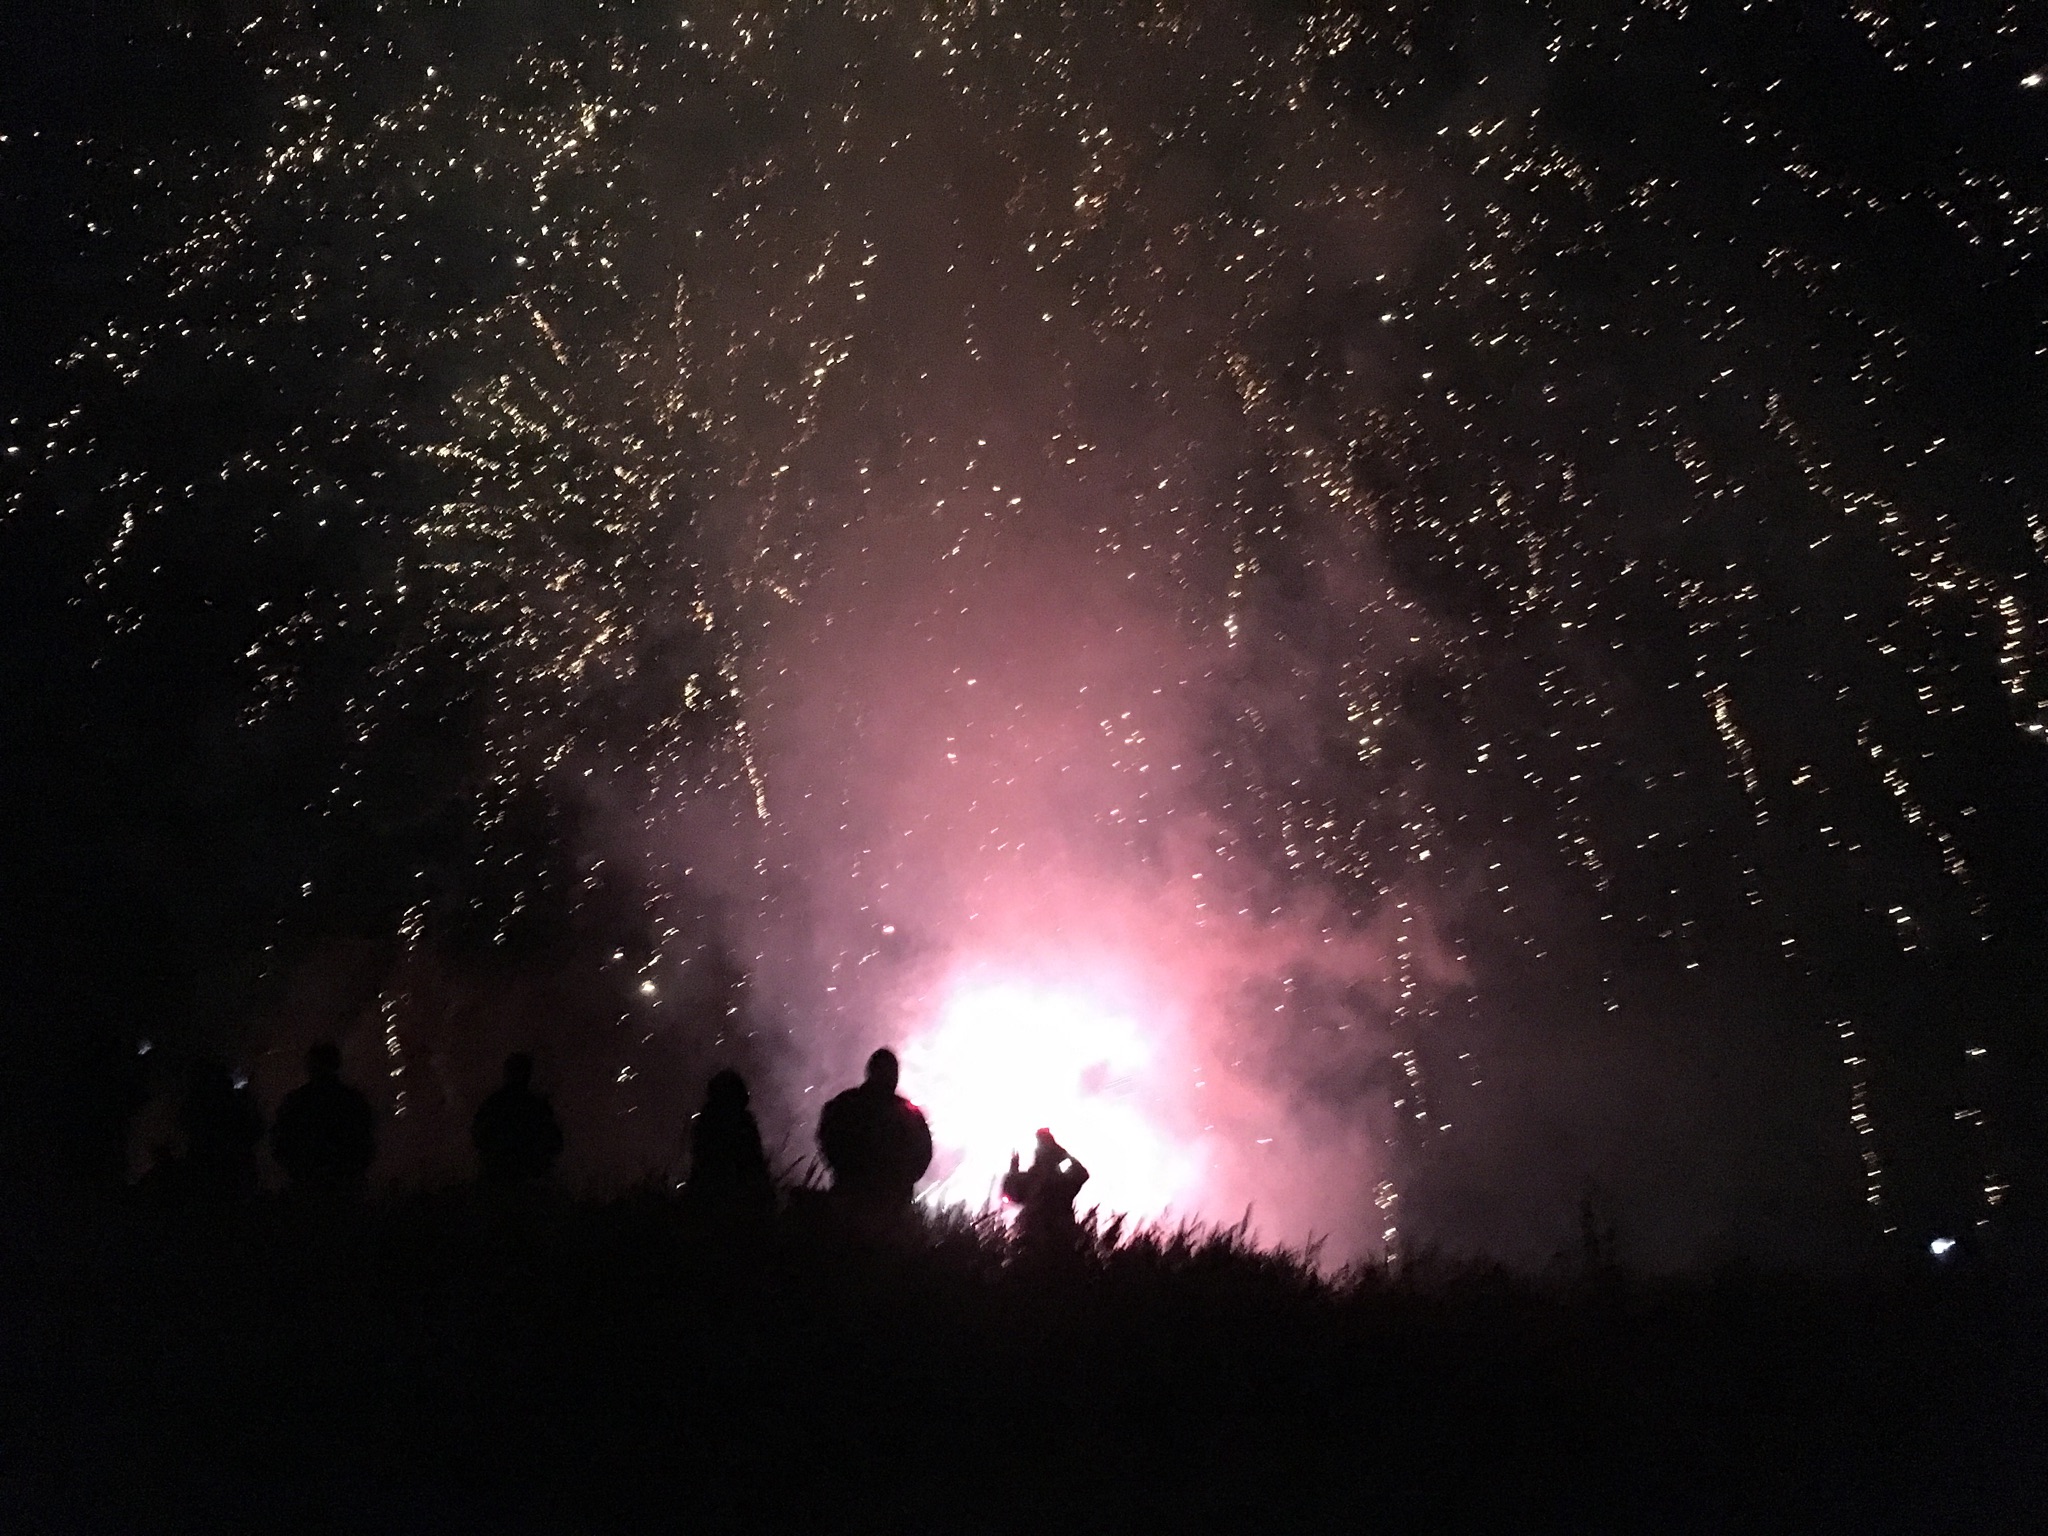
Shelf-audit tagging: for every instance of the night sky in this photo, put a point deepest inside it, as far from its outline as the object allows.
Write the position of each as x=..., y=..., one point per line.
x=1448, y=600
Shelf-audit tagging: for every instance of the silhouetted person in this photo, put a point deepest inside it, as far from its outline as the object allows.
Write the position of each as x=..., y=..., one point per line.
x=325, y=1135
x=876, y=1143
x=1044, y=1194
x=729, y=1187
x=156, y=1131
x=516, y=1134
x=223, y=1127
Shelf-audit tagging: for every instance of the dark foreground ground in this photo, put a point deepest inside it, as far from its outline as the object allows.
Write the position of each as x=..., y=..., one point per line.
x=456, y=1363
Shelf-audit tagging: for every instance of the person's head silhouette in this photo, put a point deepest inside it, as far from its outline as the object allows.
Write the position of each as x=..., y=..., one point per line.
x=519, y=1070
x=882, y=1071
x=323, y=1059
x=726, y=1090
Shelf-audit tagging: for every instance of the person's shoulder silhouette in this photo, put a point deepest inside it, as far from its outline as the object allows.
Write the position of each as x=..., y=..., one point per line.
x=729, y=1183
x=876, y=1142
x=325, y=1134
x=515, y=1132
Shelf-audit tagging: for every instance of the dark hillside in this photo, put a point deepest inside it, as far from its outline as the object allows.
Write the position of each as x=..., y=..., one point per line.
x=448, y=1362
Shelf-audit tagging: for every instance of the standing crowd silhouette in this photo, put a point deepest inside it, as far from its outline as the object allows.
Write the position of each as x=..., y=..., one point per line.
x=200, y=1132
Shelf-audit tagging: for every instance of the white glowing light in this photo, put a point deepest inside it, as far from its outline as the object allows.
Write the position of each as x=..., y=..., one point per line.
x=1940, y=1247
x=1002, y=1057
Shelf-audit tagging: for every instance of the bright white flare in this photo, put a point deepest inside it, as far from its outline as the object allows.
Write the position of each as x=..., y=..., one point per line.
x=1001, y=1057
